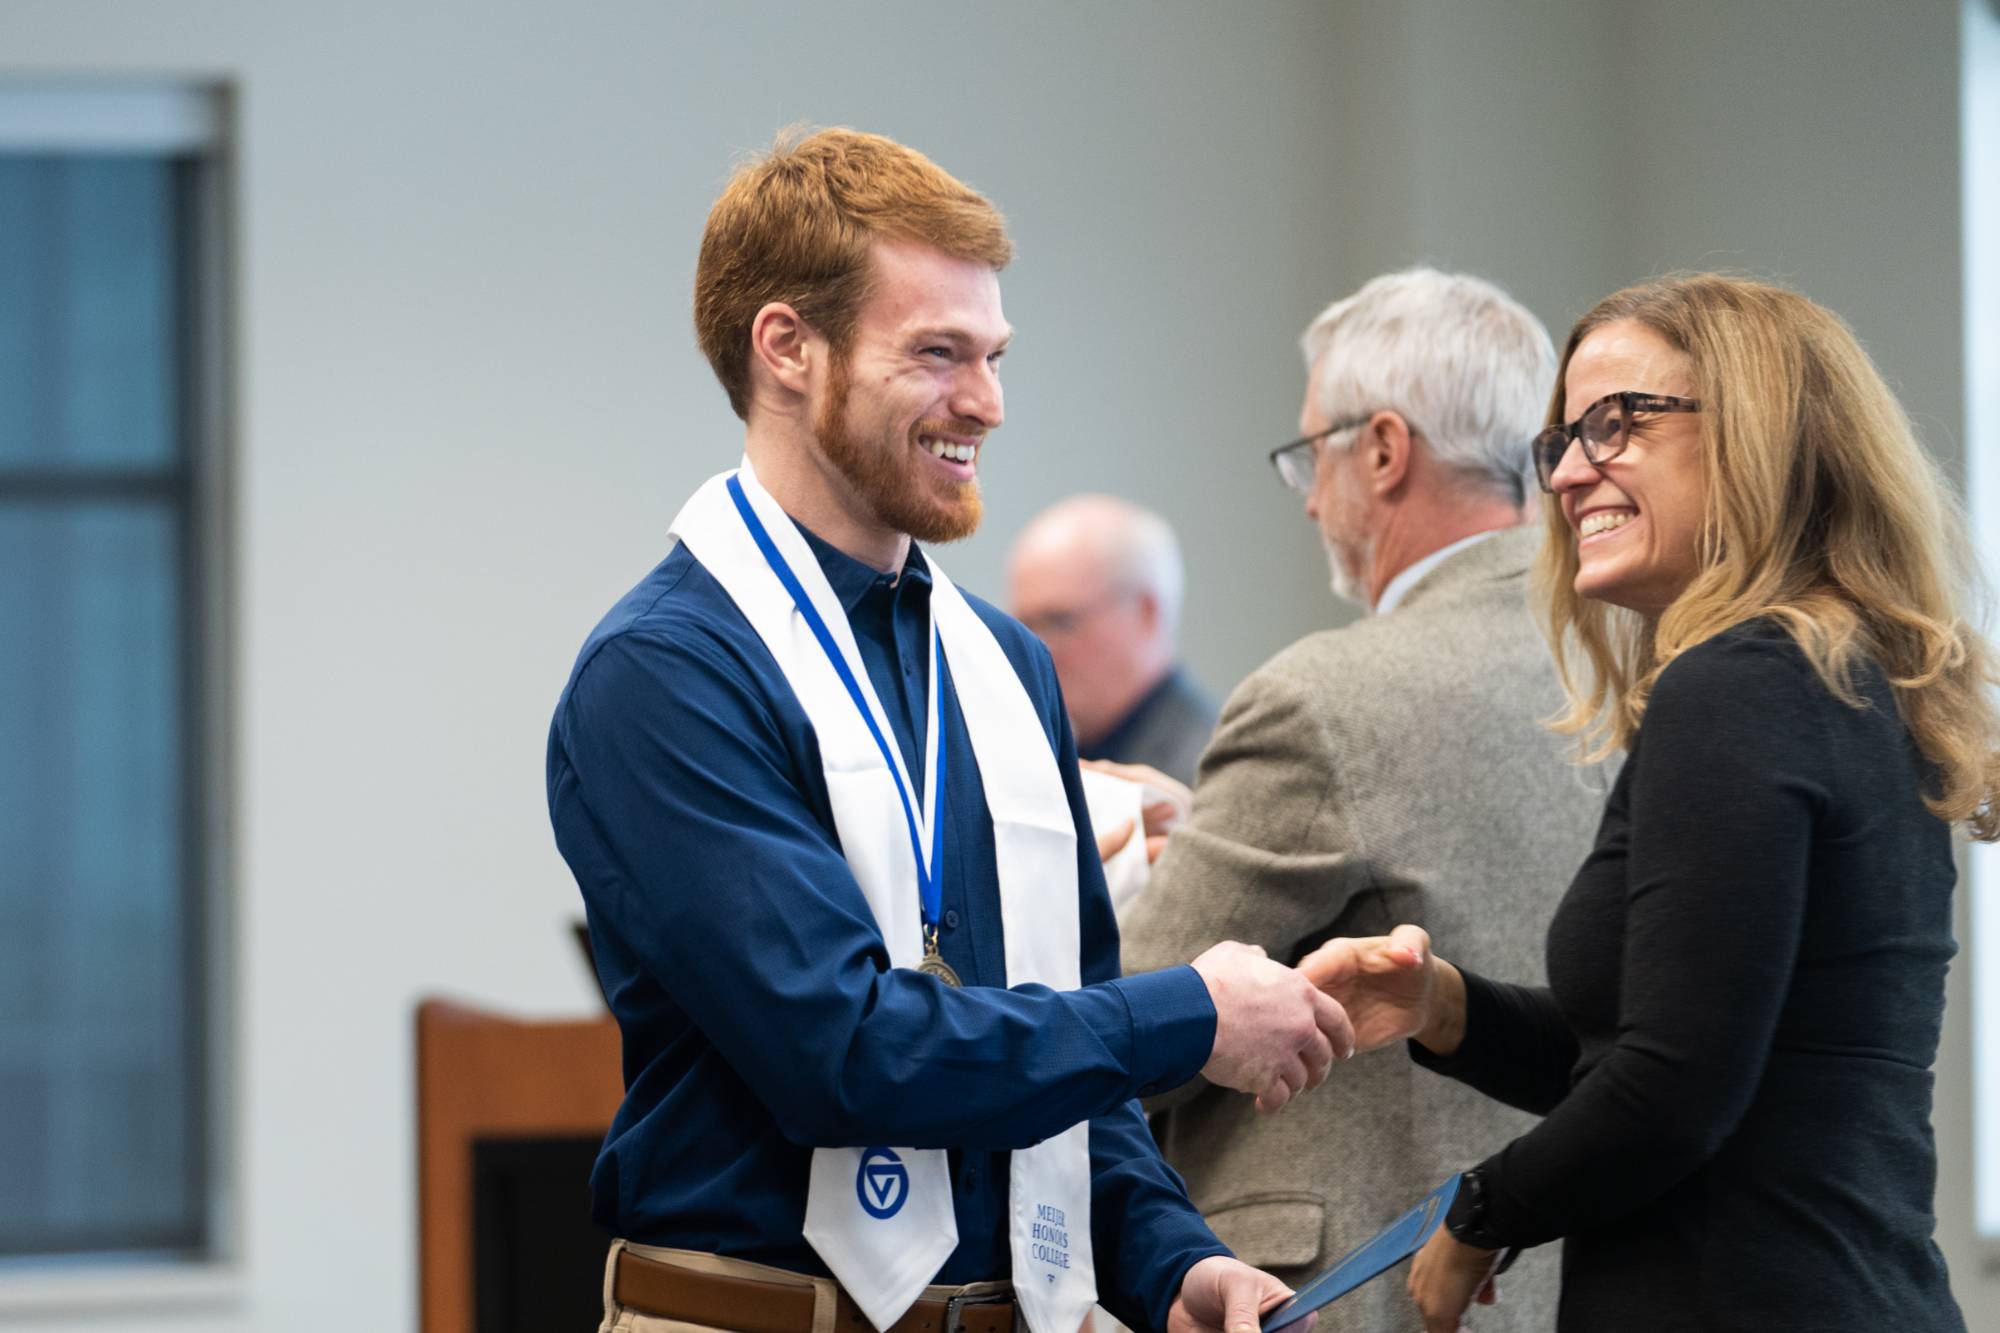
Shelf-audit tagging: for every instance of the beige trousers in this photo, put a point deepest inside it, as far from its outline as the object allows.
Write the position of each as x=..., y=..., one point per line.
x=618, y=1319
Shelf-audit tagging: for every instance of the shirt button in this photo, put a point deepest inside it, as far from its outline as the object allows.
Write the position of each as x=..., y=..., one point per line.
x=951, y=919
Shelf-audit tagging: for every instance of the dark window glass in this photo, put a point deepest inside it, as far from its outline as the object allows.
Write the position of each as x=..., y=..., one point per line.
x=101, y=1074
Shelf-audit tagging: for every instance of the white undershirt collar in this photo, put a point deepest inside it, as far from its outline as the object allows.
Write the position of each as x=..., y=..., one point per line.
x=1399, y=587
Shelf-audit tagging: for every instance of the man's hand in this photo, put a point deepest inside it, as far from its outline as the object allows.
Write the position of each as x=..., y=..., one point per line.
x=1276, y=1035
x=1392, y=987
x=1446, y=1277
x=1111, y=843
x=1224, y=1295
x=1167, y=803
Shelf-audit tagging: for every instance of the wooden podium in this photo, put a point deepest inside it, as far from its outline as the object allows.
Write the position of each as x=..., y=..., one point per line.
x=508, y=1113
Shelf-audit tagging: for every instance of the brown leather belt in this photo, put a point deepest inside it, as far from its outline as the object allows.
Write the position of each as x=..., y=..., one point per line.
x=750, y=1306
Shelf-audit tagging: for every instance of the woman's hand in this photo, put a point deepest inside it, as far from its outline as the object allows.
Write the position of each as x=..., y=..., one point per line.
x=1447, y=1276
x=1392, y=987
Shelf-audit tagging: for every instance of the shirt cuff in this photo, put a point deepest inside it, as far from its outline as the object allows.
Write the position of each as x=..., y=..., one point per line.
x=1172, y=1027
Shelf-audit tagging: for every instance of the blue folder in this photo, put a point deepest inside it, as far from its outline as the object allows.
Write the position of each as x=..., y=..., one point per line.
x=1391, y=1245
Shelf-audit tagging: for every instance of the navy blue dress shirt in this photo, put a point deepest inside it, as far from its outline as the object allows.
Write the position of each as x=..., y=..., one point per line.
x=759, y=1014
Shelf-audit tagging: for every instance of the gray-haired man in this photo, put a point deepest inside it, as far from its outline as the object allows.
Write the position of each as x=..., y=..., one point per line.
x=1392, y=770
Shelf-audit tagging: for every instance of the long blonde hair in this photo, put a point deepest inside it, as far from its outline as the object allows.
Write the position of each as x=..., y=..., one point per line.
x=1823, y=513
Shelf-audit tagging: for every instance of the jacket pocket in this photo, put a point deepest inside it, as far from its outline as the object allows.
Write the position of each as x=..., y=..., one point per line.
x=1272, y=1230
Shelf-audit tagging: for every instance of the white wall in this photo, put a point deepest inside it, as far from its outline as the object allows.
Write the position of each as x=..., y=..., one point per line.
x=470, y=399
x=1980, y=97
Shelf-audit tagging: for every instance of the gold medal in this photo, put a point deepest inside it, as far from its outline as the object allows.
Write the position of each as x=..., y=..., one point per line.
x=939, y=968
x=933, y=964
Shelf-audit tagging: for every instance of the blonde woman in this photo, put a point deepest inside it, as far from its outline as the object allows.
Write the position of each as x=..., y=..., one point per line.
x=1752, y=579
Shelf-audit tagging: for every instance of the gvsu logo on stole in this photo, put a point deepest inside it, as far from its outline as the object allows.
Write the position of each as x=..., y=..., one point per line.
x=883, y=1183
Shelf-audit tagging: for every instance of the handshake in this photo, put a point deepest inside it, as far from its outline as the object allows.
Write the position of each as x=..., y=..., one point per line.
x=1278, y=1030
x=1276, y=1034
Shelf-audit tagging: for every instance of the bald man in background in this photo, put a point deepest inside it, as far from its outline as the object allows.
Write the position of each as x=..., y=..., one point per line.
x=1099, y=580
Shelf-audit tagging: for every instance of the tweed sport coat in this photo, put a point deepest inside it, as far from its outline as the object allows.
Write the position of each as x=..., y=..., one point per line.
x=1395, y=769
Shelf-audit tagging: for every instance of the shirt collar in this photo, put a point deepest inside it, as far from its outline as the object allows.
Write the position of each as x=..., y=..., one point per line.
x=851, y=580
x=1399, y=587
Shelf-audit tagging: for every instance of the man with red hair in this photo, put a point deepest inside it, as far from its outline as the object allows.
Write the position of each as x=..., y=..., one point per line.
x=825, y=814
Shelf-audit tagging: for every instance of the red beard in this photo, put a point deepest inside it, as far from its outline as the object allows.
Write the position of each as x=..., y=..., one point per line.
x=901, y=493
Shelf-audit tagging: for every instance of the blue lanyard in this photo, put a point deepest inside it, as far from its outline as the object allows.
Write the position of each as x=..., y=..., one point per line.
x=929, y=869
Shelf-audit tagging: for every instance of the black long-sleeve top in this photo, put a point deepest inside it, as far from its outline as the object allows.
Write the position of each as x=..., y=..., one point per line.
x=1746, y=988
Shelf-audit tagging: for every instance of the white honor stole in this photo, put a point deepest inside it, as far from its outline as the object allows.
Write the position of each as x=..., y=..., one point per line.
x=881, y=1217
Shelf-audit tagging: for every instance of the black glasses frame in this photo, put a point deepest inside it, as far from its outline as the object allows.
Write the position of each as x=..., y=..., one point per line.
x=1602, y=434
x=1281, y=457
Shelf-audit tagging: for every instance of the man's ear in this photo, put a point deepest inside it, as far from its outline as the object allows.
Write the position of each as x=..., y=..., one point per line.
x=1149, y=609
x=783, y=347
x=1387, y=444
